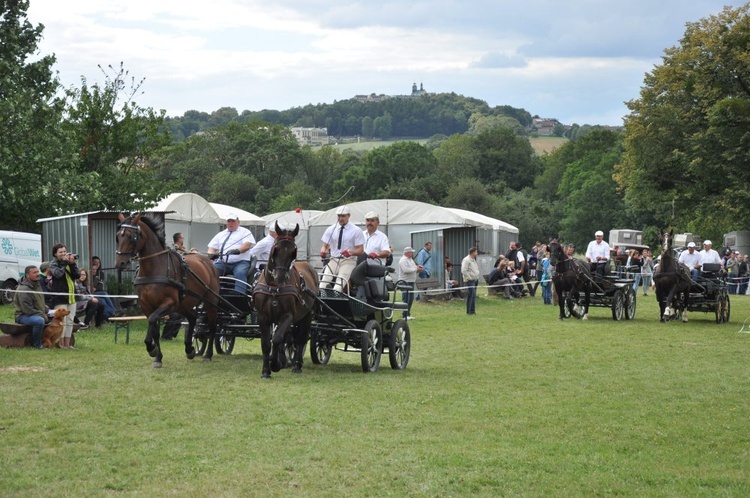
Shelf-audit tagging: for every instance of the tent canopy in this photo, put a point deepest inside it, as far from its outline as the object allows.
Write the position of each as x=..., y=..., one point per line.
x=290, y=218
x=403, y=212
x=496, y=224
x=187, y=207
x=246, y=217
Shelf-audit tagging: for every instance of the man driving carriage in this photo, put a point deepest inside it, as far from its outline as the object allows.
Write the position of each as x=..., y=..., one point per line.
x=233, y=247
x=343, y=242
x=692, y=260
x=598, y=253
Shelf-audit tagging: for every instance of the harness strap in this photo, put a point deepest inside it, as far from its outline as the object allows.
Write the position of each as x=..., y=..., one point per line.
x=273, y=290
x=159, y=280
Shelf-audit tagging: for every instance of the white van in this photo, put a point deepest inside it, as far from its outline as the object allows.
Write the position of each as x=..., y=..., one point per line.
x=17, y=251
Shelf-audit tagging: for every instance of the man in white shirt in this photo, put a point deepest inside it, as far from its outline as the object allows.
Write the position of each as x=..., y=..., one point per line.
x=232, y=246
x=376, y=242
x=343, y=242
x=470, y=275
x=708, y=255
x=597, y=254
x=692, y=259
x=262, y=250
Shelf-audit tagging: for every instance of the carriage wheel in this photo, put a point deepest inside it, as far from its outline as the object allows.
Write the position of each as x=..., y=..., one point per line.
x=372, y=346
x=399, y=345
x=726, y=309
x=289, y=348
x=320, y=351
x=630, y=304
x=224, y=344
x=618, y=305
x=570, y=305
x=6, y=292
x=199, y=343
x=719, y=309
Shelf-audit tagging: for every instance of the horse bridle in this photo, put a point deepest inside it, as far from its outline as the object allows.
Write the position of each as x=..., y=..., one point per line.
x=280, y=238
x=134, y=235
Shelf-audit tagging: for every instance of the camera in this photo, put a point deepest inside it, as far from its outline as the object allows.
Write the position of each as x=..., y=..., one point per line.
x=75, y=256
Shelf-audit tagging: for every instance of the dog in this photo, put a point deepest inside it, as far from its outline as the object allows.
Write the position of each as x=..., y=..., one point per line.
x=54, y=329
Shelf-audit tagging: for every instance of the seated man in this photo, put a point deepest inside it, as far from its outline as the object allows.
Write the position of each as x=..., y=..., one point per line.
x=500, y=277
x=692, y=260
x=29, y=305
x=450, y=284
x=708, y=255
x=342, y=242
x=233, y=248
x=262, y=250
x=597, y=254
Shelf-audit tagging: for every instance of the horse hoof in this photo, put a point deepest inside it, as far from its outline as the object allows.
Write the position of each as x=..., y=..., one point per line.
x=206, y=359
x=190, y=354
x=585, y=317
x=265, y=377
x=296, y=370
x=156, y=364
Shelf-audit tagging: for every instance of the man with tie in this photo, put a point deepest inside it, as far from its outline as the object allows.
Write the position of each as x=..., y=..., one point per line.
x=344, y=242
x=233, y=247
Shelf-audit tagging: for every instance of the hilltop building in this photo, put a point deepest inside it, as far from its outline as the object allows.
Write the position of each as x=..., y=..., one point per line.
x=415, y=93
x=310, y=136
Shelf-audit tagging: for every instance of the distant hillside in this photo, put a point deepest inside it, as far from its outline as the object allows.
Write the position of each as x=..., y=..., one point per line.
x=540, y=144
x=420, y=117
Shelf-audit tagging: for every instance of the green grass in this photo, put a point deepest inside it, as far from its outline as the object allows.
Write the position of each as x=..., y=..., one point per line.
x=510, y=402
x=373, y=144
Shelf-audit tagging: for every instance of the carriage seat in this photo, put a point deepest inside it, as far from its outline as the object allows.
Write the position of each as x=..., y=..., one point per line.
x=369, y=279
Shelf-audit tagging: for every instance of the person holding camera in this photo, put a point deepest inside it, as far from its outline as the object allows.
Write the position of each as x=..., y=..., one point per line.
x=64, y=270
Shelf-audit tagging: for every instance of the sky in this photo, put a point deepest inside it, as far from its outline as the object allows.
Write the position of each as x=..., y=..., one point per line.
x=577, y=61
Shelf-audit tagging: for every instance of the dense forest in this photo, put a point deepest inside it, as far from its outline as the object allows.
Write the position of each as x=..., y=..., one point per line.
x=681, y=160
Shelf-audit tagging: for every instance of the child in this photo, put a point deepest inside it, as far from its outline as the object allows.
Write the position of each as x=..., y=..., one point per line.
x=546, y=280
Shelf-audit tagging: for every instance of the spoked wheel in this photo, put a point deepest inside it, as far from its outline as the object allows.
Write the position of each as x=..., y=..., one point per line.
x=320, y=351
x=289, y=348
x=570, y=306
x=725, y=309
x=224, y=344
x=399, y=345
x=6, y=292
x=199, y=343
x=372, y=346
x=630, y=304
x=618, y=305
x=719, y=309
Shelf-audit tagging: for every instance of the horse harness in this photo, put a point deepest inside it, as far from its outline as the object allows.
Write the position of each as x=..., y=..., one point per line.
x=295, y=289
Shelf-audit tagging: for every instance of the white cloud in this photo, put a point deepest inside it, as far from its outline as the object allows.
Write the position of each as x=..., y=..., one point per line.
x=572, y=60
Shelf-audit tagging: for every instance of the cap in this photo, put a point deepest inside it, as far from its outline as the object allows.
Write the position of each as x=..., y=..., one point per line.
x=691, y=244
x=371, y=215
x=44, y=266
x=736, y=252
x=707, y=243
x=271, y=227
x=343, y=210
x=598, y=233
x=232, y=216
x=408, y=249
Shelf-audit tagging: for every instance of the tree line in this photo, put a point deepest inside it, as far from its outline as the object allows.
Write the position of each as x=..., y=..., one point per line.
x=679, y=162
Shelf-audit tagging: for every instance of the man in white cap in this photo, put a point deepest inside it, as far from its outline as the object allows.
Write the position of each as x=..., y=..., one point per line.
x=343, y=242
x=232, y=246
x=692, y=260
x=376, y=242
x=407, y=277
x=262, y=249
x=597, y=254
x=708, y=255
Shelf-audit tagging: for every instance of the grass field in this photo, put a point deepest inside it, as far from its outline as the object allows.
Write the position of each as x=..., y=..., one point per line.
x=510, y=402
x=540, y=144
x=546, y=144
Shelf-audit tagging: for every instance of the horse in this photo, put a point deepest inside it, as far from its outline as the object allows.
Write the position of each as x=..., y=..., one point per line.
x=672, y=280
x=571, y=276
x=167, y=282
x=284, y=295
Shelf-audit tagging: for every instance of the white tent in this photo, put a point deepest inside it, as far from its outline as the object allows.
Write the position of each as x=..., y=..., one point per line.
x=246, y=217
x=302, y=218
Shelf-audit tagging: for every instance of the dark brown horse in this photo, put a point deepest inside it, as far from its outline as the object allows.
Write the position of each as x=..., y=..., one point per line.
x=167, y=282
x=284, y=296
x=672, y=280
x=571, y=277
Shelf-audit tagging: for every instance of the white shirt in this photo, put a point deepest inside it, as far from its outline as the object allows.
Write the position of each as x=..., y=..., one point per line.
x=262, y=249
x=377, y=242
x=240, y=236
x=352, y=238
x=600, y=250
x=710, y=256
x=690, y=260
x=407, y=269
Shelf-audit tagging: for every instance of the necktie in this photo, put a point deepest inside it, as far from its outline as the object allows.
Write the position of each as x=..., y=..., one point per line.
x=225, y=242
x=341, y=235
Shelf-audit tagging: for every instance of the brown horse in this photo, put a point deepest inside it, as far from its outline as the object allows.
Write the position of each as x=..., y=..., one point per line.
x=167, y=282
x=285, y=296
x=672, y=280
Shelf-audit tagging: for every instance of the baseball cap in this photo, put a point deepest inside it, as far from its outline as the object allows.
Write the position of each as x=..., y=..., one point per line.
x=408, y=249
x=691, y=244
x=707, y=243
x=598, y=233
x=371, y=215
x=271, y=227
x=232, y=216
x=343, y=210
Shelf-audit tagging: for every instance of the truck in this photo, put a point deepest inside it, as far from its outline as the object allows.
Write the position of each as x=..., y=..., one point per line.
x=17, y=251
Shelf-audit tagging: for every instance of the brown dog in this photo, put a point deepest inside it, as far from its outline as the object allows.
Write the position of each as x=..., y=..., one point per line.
x=53, y=331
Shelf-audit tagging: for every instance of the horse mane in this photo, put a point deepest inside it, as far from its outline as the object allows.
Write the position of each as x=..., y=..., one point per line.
x=155, y=225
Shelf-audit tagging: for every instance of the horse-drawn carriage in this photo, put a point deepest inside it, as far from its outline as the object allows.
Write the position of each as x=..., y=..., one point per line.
x=578, y=289
x=367, y=323
x=710, y=293
x=286, y=297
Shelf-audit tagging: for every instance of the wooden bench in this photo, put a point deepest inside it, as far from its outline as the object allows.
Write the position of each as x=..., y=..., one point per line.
x=431, y=288
x=123, y=322
x=16, y=335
